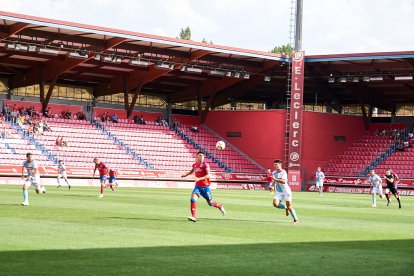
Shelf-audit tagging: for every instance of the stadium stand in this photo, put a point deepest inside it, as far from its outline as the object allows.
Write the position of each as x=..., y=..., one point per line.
x=401, y=157
x=360, y=155
x=158, y=145
x=13, y=147
x=230, y=158
x=84, y=142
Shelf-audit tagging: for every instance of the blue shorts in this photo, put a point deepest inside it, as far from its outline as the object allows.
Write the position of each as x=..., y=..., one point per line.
x=112, y=179
x=204, y=192
x=102, y=177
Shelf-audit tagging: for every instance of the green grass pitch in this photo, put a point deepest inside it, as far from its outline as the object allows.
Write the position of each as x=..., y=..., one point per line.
x=146, y=232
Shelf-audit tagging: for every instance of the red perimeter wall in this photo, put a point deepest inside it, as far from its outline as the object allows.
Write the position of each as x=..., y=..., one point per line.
x=262, y=134
x=318, y=133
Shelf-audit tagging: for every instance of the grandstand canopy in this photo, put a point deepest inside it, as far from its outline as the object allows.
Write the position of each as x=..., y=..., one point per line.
x=35, y=50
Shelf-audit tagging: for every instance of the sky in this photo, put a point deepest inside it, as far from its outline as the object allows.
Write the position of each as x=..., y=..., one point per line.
x=329, y=26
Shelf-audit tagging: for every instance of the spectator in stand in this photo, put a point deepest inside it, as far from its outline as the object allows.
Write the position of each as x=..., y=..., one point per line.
x=14, y=115
x=400, y=146
x=164, y=122
x=58, y=141
x=377, y=132
x=175, y=125
x=194, y=129
x=406, y=144
x=136, y=119
x=63, y=143
x=158, y=121
x=41, y=127
x=88, y=107
x=66, y=114
x=46, y=127
x=6, y=110
x=81, y=115
x=27, y=120
x=35, y=129
x=105, y=117
x=141, y=120
x=5, y=133
x=114, y=118
x=47, y=113
x=20, y=120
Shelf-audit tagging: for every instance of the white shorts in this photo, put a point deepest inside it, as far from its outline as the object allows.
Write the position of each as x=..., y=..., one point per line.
x=319, y=184
x=270, y=184
x=377, y=189
x=32, y=181
x=285, y=195
x=62, y=175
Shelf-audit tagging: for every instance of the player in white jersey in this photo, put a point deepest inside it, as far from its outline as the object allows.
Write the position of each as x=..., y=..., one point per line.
x=283, y=191
x=62, y=173
x=32, y=178
x=320, y=177
x=375, y=186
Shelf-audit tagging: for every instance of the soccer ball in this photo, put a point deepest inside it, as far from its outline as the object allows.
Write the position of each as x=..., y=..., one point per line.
x=220, y=145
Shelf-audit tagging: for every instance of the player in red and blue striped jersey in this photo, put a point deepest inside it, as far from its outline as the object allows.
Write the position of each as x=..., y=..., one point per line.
x=103, y=171
x=201, y=169
x=269, y=180
x=112, y=178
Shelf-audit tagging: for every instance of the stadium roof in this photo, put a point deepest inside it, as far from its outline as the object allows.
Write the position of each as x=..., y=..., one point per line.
x=34, y=49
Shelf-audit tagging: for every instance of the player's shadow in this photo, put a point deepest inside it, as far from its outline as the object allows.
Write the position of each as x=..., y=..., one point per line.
x=185, y=219
x=144, y=219
x=241, y=220
x=89, y=196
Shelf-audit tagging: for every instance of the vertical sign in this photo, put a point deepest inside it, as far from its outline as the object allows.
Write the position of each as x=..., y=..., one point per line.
x=295, y=126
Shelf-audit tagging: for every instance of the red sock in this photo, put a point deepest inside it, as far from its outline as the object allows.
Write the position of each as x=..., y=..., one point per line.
x=215, y=204
x=102, y=189
x=193, y=209
x=112, y=188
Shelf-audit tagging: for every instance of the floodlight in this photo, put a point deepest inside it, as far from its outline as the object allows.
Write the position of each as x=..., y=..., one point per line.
x=48, y=51
x=138, y=62
x=403, y=77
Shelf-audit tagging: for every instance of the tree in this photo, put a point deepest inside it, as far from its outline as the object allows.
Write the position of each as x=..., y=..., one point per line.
x=185, y=33
x=283, y=50
x=205, y=41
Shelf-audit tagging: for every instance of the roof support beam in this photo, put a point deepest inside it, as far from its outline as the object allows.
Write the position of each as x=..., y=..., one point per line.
x=199, y=101
x=53, y=69
x=126, y=98
x=14, y=29
x=364, y=114
x=134, y=99
x=208, y=104
x=41, y=86
x=49, y=94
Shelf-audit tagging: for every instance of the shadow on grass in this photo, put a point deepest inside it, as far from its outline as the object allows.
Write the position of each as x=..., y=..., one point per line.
x=88, y=196
x=185, y=219
x=316, y=258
